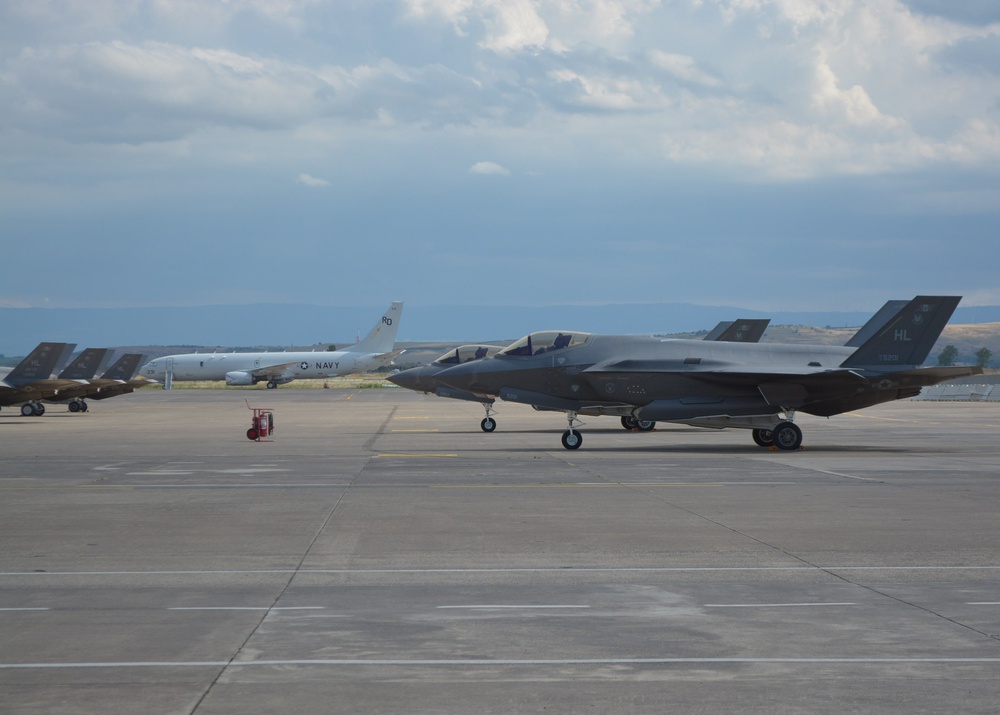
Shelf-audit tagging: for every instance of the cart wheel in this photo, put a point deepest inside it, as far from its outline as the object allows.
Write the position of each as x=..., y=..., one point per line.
x=252, y=434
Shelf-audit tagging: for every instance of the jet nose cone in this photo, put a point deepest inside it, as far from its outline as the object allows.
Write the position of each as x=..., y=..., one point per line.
x=403, y=380
x=412, y=379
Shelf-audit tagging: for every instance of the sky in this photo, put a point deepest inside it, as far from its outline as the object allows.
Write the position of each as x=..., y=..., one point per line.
x=767, y=154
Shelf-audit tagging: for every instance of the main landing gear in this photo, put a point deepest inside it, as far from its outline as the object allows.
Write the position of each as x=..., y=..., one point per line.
x=633, y=424
x=78, y=406
x=785, y=436
x=32, y=409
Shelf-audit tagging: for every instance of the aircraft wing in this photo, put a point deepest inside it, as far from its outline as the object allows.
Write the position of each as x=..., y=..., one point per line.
x=278, y=370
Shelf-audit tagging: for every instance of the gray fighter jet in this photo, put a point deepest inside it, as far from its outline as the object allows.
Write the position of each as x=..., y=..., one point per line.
x=424, y=378
x=755, y=386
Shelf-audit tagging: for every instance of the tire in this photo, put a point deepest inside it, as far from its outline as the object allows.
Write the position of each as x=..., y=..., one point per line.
x=763, y=437
x=27, y=409
x=629, y=422
x=572, y=439
x=74, y=406
x=787, y=436
x=645, y=425
x=488, y=424
x=252, y=434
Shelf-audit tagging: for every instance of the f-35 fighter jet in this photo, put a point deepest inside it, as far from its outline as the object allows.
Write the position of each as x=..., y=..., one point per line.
x=755, y=386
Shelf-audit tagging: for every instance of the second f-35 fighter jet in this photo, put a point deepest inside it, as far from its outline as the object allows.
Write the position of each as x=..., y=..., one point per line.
x=756, y=386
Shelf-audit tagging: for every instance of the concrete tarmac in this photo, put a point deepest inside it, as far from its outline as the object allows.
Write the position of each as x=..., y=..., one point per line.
x=384, y=555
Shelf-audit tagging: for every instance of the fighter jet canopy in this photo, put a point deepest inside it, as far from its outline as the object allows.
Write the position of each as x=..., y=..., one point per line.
x=543, y=342
x=465, y=353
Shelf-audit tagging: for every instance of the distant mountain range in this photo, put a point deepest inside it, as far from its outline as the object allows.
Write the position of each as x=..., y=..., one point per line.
x=275, y=325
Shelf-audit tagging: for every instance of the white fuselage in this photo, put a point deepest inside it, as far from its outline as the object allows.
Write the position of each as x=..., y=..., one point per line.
x=294, y=365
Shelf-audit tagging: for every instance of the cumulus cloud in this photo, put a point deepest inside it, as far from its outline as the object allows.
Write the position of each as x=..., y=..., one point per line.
x=489, y=168
x=312, y=181
x=807, y=81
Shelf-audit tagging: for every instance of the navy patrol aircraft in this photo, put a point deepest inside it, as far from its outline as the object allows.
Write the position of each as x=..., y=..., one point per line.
x=755, y=386
x=278, y=368
x=424, y=378
x=31, y=381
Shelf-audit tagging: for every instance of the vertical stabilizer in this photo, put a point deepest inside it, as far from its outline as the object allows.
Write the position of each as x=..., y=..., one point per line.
x=86, y=365
x=39, y=364
x=907, y=338
x=124, y=368
x=877, y=321
x=744, y=330
x=382, y=337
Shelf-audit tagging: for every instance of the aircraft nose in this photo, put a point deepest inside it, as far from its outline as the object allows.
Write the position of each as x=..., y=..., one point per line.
x=406, y=378
x=403, y=380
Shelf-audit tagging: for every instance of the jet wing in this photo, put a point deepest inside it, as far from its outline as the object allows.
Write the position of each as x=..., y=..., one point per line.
x=277, y=371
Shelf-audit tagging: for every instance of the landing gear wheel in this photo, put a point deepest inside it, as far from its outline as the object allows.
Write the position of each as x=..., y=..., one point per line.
x=39, y=409
x=488, y=424
x=252, y=434
x=629, y=422
x=645, y=425
x=84, y=406
x=27, y=409
x=74, y=406
x=271, y=385
x=763, y=437
x=571, y=439
x=787, y=436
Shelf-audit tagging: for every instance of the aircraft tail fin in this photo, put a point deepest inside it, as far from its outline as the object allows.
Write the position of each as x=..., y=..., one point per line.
x=86, y=365
x=908, y=336
x=382, y=336
x=744, y=330
x=124, y=368
x=38, y=365
x=884, y=314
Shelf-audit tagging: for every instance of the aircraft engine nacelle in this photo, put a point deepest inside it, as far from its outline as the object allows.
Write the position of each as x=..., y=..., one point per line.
x=238, y=377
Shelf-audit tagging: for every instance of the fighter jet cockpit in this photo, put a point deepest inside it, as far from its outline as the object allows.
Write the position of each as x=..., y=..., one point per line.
x=466, y=353
x=544, y=342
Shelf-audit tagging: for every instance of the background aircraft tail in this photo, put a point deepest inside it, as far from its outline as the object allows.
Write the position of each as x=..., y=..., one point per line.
x=87, y=364
x=382, y=337
x=39, y=365
x=907, y=338
x=125, y=368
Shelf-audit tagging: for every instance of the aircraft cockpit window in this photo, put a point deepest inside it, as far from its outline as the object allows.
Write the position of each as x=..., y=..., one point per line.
x=545, y=342
x=465, y=353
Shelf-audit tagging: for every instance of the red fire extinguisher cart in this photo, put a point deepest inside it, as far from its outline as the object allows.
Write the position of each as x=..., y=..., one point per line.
x=261, y=425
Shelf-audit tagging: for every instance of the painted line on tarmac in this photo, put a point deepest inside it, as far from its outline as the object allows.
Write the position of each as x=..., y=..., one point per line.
x=772, y=605
x=414, y=454
x=246, y=608
x=512, y=570
x=492, y=662
x=24, y=609
x=491, y=607
x=840, y=474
